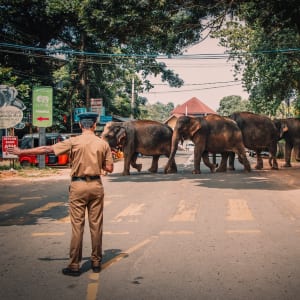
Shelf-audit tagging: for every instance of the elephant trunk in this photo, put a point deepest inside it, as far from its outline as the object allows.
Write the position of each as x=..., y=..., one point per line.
x=174, y=147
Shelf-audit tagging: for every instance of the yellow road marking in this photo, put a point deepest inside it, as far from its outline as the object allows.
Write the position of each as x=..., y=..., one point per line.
x=184, y=213
x=48, y=234
x=8, y=206
x=131, y=212
x=127, y=252
x=246, y=231
x=93, y=287
x=238, y=210
x=31, y=198
x=46, y=207
x=92, y=290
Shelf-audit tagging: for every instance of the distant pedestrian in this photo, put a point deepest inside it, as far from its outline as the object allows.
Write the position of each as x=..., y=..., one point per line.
x=89, y=155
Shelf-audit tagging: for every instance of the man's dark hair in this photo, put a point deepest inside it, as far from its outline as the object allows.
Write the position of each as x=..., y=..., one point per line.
x=87, y=123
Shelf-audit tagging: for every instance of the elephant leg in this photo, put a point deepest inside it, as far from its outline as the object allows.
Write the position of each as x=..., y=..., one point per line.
x=133, y=162
x=154, y=165
x=231, y=161
x=272, y=157
x=223, y=164
x=259, y=161
x=244, y=160
x=126, y=166
x=287, y=155
x=207, y=162
x=198, y=152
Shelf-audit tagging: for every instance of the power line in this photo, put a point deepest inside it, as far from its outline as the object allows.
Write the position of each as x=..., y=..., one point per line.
x=192, y=90
x=156, y=56
x=206, y=83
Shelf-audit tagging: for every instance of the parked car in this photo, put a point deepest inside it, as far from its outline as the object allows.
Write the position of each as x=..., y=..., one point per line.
x=263, y=154
x=32, y=140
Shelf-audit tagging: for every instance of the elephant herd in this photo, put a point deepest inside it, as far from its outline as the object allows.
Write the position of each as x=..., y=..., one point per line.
x=214, y=134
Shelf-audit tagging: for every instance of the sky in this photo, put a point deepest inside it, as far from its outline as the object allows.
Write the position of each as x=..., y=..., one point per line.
x=206, y=79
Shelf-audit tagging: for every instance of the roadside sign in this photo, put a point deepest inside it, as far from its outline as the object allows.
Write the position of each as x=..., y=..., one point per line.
x=42, y=102
x=96, y=105
x=9, y=141
x=10, y=116
x=77, y=111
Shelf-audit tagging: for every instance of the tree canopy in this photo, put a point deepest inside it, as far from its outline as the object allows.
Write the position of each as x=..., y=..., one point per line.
x=95, y=49
x=102, y=44
x=263, y=36
x=230, y=104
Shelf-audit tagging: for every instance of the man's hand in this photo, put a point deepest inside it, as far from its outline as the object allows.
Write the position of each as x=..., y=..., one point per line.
x=14, y=150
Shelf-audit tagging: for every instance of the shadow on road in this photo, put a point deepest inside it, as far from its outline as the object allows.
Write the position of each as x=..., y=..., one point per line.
x=267, y=179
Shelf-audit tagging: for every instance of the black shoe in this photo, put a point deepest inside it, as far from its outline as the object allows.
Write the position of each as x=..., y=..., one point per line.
x=96, y=269
x=70, y=272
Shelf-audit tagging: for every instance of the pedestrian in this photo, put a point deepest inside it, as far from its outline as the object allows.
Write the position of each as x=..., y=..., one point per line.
x=89, y=155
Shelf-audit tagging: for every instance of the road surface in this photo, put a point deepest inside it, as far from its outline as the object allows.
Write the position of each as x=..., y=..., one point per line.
x=231, y=235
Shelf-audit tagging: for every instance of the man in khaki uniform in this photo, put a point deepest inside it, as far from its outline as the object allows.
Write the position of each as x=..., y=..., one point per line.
x=89, y=155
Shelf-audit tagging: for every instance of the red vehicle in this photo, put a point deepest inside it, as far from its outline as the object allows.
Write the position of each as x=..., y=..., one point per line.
x=32, y=140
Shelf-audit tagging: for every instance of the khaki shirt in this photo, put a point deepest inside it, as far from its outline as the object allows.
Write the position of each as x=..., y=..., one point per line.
x=88, y=154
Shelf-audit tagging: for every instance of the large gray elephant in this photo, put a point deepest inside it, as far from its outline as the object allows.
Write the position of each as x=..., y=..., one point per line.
x=290, y=131
x=142, y=136
x=259, y=134
x=212, y=133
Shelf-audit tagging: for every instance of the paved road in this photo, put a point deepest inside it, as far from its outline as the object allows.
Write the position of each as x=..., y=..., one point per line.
x=176, y=236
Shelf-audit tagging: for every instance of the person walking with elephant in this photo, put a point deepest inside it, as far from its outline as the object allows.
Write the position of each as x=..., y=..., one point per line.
x=89, y=155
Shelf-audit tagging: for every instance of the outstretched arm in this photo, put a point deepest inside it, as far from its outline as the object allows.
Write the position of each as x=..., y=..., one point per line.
x=31, y=151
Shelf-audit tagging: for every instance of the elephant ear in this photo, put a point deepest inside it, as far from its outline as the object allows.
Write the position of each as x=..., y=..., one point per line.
x=195, y=126
x=121, y=136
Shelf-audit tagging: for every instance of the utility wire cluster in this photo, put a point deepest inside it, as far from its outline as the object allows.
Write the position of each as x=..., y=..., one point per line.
x=135, y=55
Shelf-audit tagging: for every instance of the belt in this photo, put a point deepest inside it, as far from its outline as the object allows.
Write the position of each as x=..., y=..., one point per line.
x=85, y=178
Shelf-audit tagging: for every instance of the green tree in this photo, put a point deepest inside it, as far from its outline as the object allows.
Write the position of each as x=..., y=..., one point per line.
x=263, y=38
x=158, y=111
x=230, y=104
x=103, y=43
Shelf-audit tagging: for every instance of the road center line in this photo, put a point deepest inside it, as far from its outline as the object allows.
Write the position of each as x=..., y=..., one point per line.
x=93, y=287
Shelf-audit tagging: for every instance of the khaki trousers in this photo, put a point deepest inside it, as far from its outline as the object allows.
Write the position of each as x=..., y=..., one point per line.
x=86, y=195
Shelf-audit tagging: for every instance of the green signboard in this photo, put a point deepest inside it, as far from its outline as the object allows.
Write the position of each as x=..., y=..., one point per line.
x=42, y=103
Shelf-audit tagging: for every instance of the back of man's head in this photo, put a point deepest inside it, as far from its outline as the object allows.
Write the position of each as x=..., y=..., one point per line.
x=87, y=120
x=87, y=123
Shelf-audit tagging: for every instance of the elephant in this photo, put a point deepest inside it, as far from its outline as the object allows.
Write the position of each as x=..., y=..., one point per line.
x=289, y=131
x=144, y=137
x=259, y=134
x=211, y=133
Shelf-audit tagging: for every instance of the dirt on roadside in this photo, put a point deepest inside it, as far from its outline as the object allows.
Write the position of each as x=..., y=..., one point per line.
x=34, y=174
